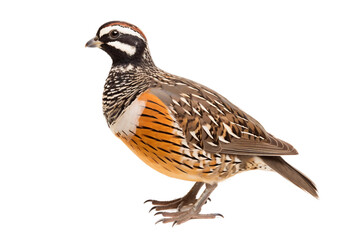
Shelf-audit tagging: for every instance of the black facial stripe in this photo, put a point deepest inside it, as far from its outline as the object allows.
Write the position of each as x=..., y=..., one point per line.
x=124, y=38
x=119, y=56
x=132, y=40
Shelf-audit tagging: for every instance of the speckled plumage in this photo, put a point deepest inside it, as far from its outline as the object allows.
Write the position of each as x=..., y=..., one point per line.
x=181, y=128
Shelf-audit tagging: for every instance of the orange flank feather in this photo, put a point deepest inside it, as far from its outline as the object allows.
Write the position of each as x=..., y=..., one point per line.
x=158, y=140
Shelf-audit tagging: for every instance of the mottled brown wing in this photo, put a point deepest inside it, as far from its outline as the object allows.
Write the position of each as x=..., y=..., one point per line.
x=212, y=123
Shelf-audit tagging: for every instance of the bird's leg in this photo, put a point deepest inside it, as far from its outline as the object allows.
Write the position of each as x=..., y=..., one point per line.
x=188, y=200
x=193, y=212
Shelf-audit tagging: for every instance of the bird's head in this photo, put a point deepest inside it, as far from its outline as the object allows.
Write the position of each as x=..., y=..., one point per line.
x=124, y=42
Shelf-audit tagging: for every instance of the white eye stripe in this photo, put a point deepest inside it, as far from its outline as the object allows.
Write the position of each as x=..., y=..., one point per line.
x=123, y=30
x=128, y=49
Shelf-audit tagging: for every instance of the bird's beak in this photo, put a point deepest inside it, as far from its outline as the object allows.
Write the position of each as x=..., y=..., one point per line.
x=93, y=43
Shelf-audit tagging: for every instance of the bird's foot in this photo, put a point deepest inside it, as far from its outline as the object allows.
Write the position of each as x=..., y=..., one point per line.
x=180, y=217
x=188, y=207
x=179, y=204
x=185, y=202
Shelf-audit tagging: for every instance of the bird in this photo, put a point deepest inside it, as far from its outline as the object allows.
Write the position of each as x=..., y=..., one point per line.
x=182, y=128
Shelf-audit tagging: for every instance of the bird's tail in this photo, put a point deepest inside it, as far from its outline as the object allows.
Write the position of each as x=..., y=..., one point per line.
x=279, y=165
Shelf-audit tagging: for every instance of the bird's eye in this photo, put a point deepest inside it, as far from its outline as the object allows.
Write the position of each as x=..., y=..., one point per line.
x=114, y=34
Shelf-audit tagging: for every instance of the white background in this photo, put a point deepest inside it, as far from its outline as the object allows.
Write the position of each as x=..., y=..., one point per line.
x=293, y=65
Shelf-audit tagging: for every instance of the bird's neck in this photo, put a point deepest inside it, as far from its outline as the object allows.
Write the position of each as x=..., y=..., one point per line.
x=123, y=85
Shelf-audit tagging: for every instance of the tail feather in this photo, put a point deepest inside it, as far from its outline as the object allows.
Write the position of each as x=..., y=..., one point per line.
x=279, y=165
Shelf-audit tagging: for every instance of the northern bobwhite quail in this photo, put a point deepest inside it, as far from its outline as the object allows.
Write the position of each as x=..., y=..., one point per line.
x=182, y=128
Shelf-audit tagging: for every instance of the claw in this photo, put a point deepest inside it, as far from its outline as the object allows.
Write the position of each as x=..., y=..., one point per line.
x=149, y=200
x=161, y=220
x=174, y=223
x=158, y=213
x=152, y=209
x=219, y=215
